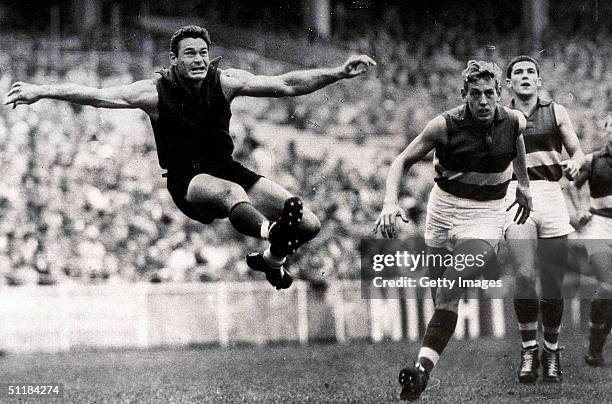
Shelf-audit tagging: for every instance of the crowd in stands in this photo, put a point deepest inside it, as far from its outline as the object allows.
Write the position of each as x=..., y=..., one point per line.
x=82, y=198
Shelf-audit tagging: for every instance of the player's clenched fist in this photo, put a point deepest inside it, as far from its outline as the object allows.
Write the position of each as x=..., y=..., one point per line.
x=356, y=65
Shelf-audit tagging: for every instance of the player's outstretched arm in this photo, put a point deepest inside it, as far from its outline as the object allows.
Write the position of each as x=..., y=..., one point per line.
x=569, y=138
x=519, y=165
x=580, y=199
x=141, y=94
x=238, y=82
x=434, y=134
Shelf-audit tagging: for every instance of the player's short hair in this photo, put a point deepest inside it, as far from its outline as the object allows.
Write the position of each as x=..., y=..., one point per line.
x=522, y=58
x=189, y=31
x=479, y=69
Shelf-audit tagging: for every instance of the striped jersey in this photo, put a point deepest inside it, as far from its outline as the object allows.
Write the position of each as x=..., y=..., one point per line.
x=475, y=162
x=600, y=182
x=543, y=143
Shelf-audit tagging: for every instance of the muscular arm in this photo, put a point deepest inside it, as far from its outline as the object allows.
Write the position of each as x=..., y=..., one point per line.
x=585, y=171
x=434, y=134
x=570, y=141
x=579, y=197
x=139, y=95
x=519, y=163
x=237, y=82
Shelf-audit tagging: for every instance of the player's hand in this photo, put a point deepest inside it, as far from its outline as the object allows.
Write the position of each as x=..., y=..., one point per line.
x=22, y=93
x=584, y=218
x=386, y=220
x=571, y=168
x=356, y=65
x=525, y=205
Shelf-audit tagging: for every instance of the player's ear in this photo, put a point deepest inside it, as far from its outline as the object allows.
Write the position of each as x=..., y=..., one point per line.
x=539, y=82
x=172, y=58
x=463, y=93
x=509, y=83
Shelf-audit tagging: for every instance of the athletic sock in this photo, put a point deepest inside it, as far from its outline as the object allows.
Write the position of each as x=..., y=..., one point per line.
x=552, y=313
x=246, y=219
x=527, y=316
x=599, y=318
x=597, y=313
x=272, y=260
x=439, y=331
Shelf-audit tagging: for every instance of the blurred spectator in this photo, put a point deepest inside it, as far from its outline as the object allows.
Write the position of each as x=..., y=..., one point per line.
x=81, y=196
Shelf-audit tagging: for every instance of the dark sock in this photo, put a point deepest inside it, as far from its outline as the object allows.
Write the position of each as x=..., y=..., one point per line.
x=246, y=219
x=598, y=311
x=608, y=314
x=527, y=317
x=552, y=313
x=598, y=325
x=439, y=331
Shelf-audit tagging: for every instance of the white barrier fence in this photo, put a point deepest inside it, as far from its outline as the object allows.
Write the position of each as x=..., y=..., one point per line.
x=64, y=317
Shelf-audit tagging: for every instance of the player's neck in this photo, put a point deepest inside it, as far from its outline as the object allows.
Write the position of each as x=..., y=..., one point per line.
x=526, y=105
x=191, y=86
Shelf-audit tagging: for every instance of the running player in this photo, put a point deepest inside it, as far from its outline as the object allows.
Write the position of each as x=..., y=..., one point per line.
x=597, y=170
x=544, y=238
x=189, y=110
x=475, y=144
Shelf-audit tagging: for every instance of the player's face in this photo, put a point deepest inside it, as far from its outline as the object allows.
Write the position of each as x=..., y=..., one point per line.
x=482, y=98
x=608, y=129
x=192, y=60
x=524, y=80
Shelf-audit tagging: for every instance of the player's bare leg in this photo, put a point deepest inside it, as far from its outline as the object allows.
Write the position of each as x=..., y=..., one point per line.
x=522, y=245
x=553, y=260
x=601, y=309
x=218, y=198
x=292, y=225
x=442, y=325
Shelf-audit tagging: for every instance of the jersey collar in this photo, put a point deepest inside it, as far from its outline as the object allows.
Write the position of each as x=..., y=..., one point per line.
x=466, y=118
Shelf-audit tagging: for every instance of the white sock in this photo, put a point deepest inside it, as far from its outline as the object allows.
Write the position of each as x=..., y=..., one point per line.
x=529, y=344
x=430, y=354
x=272, y=260
x=265, y=229
x=551, y=346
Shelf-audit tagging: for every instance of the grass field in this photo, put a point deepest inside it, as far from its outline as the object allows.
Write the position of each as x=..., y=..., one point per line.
x=475, y=371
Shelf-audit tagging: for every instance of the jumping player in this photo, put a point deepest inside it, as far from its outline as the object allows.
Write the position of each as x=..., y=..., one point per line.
x=189, y=110
x=597, y=170
x=544, y=237
x=474, y=144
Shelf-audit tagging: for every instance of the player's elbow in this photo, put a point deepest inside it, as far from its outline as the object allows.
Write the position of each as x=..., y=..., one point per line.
x=287, y=90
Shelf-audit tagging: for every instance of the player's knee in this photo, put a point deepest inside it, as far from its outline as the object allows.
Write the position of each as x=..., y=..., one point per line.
x=605, y=291
x=225, y=195
x=311, y=226
x=524, y=276
x=445, y=304
x=445, y=300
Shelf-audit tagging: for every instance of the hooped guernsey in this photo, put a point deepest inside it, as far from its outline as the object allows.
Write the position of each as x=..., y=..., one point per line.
x=475, y=162
x=543, y=143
